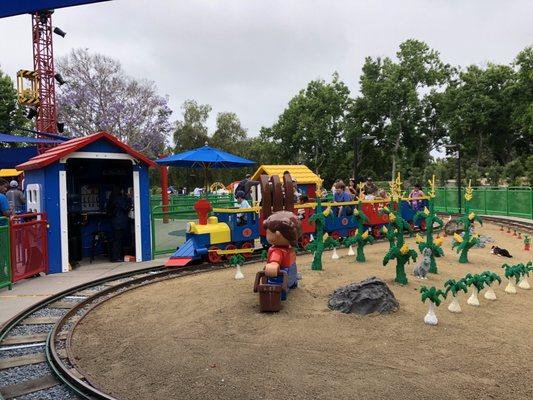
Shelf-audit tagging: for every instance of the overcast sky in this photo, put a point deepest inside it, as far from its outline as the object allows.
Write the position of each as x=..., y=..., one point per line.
x=252, y=56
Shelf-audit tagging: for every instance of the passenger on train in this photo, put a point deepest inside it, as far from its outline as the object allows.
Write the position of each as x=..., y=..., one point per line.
x=242, y=203
x=415, y=194
x=301, y=211
x=353, y=189
x=339, y=196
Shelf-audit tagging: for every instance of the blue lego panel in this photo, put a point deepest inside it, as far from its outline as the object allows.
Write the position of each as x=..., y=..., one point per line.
x=10, y=8
x=243, y=228
x=101, y=146
x=343, y=224
x=145, y=212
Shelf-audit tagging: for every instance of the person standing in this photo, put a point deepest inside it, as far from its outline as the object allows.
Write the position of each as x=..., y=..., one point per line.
x=5, y=209
x=118, y=208
x=16, y=198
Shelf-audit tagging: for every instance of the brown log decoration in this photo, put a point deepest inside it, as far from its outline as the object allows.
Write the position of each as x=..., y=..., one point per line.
x=288, y=186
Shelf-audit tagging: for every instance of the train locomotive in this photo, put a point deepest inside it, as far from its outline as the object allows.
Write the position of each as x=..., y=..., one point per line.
x=221, y=233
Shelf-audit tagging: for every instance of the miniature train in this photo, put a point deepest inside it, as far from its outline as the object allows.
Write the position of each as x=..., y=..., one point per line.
x=226, y=232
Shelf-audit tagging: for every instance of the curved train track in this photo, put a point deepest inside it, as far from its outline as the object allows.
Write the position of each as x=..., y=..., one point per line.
x=35, y=357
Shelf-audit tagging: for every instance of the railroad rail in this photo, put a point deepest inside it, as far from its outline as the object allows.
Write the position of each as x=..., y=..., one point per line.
x=35, y=355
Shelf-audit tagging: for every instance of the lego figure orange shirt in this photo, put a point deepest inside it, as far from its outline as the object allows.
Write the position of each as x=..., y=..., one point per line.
x=284, y=256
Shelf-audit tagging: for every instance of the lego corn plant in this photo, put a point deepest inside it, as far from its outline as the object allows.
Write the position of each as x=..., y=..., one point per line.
x=527, y=242
x=434, y=296
x=331, y=244
x=361, y=240
x=478, y=282
x=455, y=287
x=430, y=218
x=513, y=275
x=399, y=250
x=317, y=245
x=464, y=243
x=490, y=278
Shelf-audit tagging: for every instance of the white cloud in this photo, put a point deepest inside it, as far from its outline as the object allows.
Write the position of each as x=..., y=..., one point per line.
x=252, y=56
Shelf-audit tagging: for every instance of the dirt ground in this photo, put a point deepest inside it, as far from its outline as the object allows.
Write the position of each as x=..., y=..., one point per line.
x=202, y=337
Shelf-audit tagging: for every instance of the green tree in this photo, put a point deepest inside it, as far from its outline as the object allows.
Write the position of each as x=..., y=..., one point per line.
x=310, y=130
x=513, y=171
x=191, y=131
x=11, y=114
x=229, y=133
x=398, y=103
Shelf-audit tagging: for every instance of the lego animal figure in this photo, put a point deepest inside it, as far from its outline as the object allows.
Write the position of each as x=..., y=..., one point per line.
x=283, y=229
x=500, y=252
x=421, y=270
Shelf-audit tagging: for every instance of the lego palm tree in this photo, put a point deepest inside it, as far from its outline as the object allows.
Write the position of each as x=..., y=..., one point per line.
x=512, y=273
x=467, y=241
x=430, y=218
x=319, y=219
x=524, y=283
x=455, y=287
x=399, y=250
x=490, y=278
x=478, y=281
x=433, y=295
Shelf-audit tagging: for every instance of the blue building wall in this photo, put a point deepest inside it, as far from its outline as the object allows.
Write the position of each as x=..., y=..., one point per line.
x=48, y=178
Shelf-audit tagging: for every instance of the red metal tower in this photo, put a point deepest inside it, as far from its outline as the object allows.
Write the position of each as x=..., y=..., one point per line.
x=43, y=64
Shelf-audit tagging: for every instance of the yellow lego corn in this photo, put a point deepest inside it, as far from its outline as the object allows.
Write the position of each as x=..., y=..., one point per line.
x=426, y=211
x=404, y=249
x=418, y=238
x=458, y=238
x=365, y=235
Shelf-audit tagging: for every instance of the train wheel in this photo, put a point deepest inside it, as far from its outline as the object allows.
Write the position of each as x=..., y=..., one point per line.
x=376, y=232
x=352, y=232
x=423, y=225
x=212, y=256
x=412, y=225
x=247, y=245
x=305, y=240
x=229, y=247
x=335, y=235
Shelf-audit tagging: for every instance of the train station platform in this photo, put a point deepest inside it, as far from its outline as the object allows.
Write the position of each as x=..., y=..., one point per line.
x=32, y=290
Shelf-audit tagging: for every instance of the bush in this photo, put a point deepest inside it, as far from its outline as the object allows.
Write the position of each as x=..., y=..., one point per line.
x=513, y=171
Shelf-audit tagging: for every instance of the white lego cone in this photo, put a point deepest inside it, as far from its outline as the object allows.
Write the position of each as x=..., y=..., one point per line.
x=311, y=237
x=335, y=256
x=473, y=300
x=510, y=288
x=239, y=274
x=524, y=283
x=454, y=306
x=350, y=251
x=490, y=294
x=431, y=317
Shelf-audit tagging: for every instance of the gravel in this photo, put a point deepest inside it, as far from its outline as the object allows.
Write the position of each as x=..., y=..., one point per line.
x=30, y=329
x=48, y=312
x=58, y=392
x=24, y=373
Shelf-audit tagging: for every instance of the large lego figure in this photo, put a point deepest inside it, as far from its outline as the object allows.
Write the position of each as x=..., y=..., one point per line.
x=283, y=229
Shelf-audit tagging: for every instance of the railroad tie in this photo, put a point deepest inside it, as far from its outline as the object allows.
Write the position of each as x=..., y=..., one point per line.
x=26, y=387
x=22, y=360
x=24, y=339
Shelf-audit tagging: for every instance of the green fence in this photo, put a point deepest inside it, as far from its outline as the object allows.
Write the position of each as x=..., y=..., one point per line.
x=168, y=228
x=5, y=254
x=509, y=201
x=184, y=203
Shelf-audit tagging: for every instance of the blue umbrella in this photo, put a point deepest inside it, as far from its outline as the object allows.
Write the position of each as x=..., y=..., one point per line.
x=205, y=157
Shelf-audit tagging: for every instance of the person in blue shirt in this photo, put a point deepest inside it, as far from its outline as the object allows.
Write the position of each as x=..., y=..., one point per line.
x=340, y=195
x=5, y=209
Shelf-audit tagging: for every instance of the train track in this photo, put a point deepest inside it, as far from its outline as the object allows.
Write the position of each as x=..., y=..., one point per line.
x=36, y=360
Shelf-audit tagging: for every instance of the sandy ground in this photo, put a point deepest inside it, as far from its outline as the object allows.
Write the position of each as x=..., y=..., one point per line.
x=202, y=337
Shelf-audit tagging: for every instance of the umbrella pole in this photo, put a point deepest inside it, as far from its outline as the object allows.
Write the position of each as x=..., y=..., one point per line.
x=205, y=180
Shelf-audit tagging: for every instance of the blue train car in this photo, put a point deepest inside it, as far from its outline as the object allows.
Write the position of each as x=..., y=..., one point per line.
x=408, y=210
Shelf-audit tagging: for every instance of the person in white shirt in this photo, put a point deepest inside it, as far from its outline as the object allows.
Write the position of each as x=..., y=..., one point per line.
x=242, y=203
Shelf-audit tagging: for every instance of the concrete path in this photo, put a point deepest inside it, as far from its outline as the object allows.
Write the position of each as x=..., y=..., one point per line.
x=32, y=290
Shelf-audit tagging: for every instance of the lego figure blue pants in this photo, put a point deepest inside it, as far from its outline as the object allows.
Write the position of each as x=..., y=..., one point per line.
x=292, y=273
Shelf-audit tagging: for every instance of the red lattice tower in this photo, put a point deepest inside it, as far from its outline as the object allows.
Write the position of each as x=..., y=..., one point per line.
x=43, y=64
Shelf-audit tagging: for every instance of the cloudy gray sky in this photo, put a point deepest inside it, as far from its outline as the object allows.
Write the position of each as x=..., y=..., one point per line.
x=252, y=56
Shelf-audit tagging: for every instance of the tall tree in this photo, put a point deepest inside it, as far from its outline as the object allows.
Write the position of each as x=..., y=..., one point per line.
x=99, y=96
x=311, y=129
x=191, y=131
x=229, y=133
x=396, y=106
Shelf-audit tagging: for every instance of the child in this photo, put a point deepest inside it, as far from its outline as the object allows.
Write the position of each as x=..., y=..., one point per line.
x=283, y=230
x=415, y=194
x=242, y=203
x=340, y=196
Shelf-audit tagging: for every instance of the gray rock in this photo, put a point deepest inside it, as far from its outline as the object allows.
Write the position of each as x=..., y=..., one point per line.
x=366, y=297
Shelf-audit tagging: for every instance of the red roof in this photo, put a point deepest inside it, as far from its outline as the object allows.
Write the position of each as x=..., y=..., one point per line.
x=72, y=145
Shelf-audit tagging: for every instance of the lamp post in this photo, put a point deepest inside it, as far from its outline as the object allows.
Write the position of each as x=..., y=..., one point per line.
x=458, y=147
x=356, y=140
